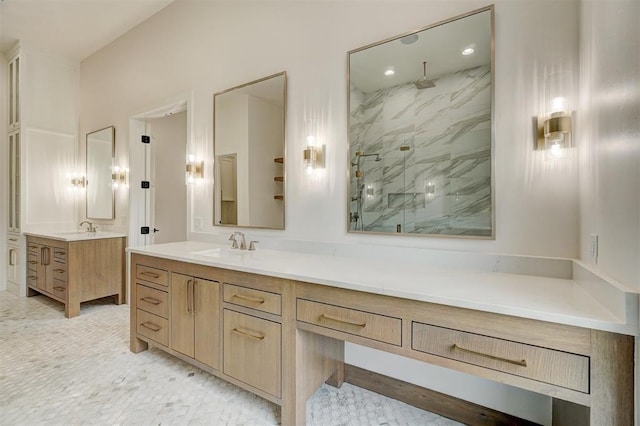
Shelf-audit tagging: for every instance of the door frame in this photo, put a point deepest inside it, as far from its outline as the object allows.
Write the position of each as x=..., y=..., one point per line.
x=140, y=163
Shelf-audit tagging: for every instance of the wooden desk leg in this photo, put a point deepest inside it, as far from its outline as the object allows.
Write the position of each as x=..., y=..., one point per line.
x=316, y=359
x=612, y=377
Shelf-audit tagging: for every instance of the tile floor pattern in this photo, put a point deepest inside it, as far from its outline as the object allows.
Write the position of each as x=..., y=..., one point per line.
x=59, y=371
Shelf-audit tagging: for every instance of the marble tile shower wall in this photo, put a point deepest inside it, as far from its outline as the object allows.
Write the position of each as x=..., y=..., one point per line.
x=435, y=148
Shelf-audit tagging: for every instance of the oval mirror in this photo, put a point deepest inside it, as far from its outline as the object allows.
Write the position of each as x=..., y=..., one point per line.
x=420, y=131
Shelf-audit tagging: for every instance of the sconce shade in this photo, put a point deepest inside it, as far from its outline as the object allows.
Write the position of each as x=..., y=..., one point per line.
x=314, y=157
x=194, y=170
x=78, y=181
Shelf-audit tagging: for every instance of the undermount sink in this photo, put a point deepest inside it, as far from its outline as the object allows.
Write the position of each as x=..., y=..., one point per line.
x=222, y=253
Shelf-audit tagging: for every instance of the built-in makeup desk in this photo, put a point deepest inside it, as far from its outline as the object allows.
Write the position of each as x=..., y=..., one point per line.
x=275, y=322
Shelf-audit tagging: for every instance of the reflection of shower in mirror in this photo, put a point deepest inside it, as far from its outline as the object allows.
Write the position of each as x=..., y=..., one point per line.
x=356, y=217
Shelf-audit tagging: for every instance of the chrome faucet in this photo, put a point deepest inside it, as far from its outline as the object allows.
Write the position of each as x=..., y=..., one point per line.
x=242, y=245
x=90, y=228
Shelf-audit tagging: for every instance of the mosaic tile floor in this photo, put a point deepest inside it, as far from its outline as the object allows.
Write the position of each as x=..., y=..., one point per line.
x=59, y=371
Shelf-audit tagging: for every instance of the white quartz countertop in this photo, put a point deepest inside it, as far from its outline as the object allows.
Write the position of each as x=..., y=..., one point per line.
x=75, y=235
x=556, y=300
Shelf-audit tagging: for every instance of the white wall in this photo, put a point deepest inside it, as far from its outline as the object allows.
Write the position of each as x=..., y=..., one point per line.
x=609, y=137
x=207, y=47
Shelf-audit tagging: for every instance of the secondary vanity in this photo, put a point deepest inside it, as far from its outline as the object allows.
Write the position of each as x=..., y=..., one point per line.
x=75, y=267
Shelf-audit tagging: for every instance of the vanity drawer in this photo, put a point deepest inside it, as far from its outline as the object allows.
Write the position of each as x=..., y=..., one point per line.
x=153, y=275
x=359, y=323
x=251, y=298
x=32, y=261
x=152, y=300
x=152, y=326
x=541, y=364
x=253, y=352
x=59, y=271
x=59, y=254
x=60, y=289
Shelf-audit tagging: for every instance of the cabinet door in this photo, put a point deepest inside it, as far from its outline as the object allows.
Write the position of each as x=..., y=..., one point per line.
x=207, y=321
x=181, y=321
x=14, y=181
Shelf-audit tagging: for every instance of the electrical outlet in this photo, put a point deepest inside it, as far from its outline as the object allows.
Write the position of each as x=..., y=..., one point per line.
x=594, y=248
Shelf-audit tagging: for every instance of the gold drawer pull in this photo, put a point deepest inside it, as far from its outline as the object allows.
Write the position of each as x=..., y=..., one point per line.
x=151, y=300
x=522, y=363
x=33, y=247
x=248, y=333
x=332, y=318
x=252, y=299
x=59, y=270
x=58, y=288
x=150, y=274
x=32, y=277
x=63, y=253
x=13, y=239
x=151, y=326
x=32, y=262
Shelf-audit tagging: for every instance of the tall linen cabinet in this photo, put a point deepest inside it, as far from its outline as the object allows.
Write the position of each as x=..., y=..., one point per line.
x=43, y=104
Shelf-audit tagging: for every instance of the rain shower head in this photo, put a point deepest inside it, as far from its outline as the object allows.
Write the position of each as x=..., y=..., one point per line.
x=424, y=83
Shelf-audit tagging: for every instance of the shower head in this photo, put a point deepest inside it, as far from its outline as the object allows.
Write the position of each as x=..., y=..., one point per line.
x=378, y=158
x=424, y=83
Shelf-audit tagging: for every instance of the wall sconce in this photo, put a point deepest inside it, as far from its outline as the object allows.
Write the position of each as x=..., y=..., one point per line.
x=554, y=127
x=78, y=181
x=554, y=130
x=313, y=155
x=194, y=169
x=119, y=177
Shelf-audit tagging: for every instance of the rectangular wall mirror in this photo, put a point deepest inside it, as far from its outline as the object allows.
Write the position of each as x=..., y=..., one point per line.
x=249, y=146
x=100, y=152
x=420, y=131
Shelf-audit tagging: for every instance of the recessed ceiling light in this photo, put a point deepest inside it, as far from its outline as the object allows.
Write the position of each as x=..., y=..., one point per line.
x=468, y=51
x=389, y=72
x=410, y=39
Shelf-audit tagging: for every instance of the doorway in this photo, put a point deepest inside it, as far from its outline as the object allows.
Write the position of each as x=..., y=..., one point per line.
x=158, y=142
x=168, y=192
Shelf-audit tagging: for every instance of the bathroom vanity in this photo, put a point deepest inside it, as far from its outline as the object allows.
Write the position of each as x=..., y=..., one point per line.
x=275, y=323
x=75, y=267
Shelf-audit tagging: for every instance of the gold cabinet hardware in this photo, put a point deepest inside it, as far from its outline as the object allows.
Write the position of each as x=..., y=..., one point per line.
x=58, y=288
x=150, y=274
x=58, y=270
x=31, y=262
x=522, y=363
x=150, y=300
x=251, y=299
x=151, y=326
x=13, y=239
x=336, y=319
x=60, y=252
x=248, y=333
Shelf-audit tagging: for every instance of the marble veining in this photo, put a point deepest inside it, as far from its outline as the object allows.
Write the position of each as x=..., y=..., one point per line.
x=435, y=144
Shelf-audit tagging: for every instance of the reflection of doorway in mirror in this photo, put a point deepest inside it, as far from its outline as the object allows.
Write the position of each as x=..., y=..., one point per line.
x=228, y=189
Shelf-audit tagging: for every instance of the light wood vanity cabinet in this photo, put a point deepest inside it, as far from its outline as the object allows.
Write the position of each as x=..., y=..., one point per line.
x=73, y=272
x=282, y=339
x=195, y=317
x=225, y=322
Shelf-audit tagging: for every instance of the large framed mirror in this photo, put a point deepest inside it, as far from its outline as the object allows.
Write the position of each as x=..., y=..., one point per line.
x=100, y=151
x=420, y=131
x=249, y=147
